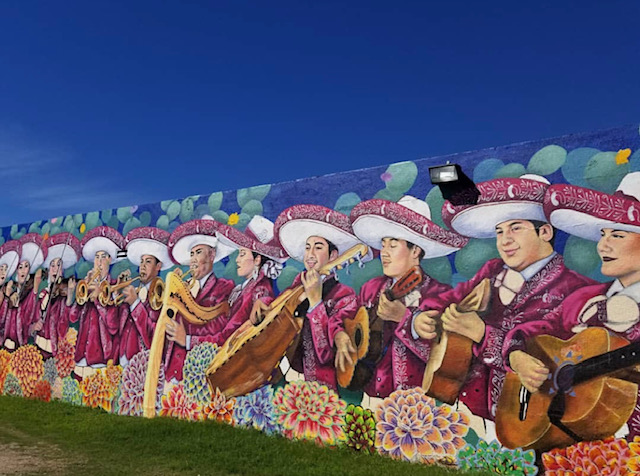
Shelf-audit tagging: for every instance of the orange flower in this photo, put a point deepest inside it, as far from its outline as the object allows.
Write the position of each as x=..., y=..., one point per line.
x=219, y=408
x=96, y=392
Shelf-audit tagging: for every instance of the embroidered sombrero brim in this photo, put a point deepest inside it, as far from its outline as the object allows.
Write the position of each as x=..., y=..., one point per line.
x=64, y=246
x=584, y=212
x=102, y=238
x=235, y=239
x=10, y=255
x=294, y=225
x=148, y=241
x=193, y=233
x=376, y=219
x=500, y=200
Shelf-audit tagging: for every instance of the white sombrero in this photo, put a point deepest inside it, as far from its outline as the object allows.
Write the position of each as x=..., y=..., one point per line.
x=102, y=238
x=500, y=200
x=10, y=255
x=584, y=212
x=409, y=219
x=259, y=236
x=148, y=240
x=64, y=246
x=33, y=250
x=297, y=223
x=193, y=233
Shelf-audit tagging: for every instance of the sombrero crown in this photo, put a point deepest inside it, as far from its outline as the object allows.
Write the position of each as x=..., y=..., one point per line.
x=148, y=240
x=259, y=236
x=10, y=255
x=102, y=238
x=409, y=219
x=193, y=233
x=64, y=246
x=500, y=200
x=297, y=223
x=34, y=250
x=584, y=212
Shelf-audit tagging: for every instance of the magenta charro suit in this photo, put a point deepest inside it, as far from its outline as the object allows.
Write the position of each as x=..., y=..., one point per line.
x=404, y=358
x=18, y=319
x=56, y=320
x=507, y=326
x=97, y=331
x=136, y=328
x=241, y=302
x=214, y=291
x=315, y=353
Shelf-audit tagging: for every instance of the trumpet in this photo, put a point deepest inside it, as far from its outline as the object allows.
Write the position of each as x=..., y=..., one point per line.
x=110, y=294
x=82, y=289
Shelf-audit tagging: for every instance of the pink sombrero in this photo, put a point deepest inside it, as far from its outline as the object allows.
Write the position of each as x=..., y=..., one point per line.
x=500, y=200
x=10, y=255
x=297, y=223
x=148, y=240
x=259, y=236
x=102, y=238
x=193, y=233
x=64, y=246
x=34, y=250
x=584, y=212
x=408, y=219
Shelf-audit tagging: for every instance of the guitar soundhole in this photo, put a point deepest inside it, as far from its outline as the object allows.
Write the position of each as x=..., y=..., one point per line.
x=170, y=313
x=358, y=337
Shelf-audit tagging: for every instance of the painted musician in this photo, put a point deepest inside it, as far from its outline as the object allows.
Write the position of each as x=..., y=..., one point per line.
x=527, y=282
x=98, y=324
x=21, y=298
x=195, y=244
x=614, y=305
x=405, y=235
x=9, y=258
x=148, y=248
x=54, y=301
x=259, y=263
x=316, y=235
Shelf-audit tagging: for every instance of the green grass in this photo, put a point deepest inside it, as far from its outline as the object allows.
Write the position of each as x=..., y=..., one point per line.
x=87, y=441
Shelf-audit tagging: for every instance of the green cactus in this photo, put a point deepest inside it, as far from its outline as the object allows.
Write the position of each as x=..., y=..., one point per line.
x=360, y=429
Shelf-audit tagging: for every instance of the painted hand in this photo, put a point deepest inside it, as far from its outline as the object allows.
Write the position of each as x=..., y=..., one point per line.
x=344, y=347
x=176, y=332
x=312, y=286
x=258, y=312
x=468, y=324
x=532, y=372
x=391, y=310
x=130, y=295
x=425, y=324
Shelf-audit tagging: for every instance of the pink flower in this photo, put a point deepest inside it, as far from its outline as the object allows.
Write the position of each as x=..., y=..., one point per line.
x=386, y=176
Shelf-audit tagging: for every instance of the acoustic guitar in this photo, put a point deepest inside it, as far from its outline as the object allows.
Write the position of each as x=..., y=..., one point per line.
x=248, y=358
x=586, y=397
x=366, y=336
x=451, y=353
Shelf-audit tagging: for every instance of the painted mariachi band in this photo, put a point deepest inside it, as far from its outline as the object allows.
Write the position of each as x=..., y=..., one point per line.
x=410, y=320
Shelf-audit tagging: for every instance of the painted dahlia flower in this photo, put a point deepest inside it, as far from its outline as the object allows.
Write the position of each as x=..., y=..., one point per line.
x=606, y=457
x=194, y=372
x=132, y=385
x=219, y=408
x=360, y=428
x=5, y=362
x=65, y=357
x=96, y=391
x=28, y=366
x=178, y=404
x=256, y=410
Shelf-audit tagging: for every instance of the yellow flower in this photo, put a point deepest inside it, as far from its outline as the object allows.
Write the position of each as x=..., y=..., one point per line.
x=234, y=218
x=83, y=228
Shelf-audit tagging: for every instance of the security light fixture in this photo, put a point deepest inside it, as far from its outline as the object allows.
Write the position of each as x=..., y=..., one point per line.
x=454, y=184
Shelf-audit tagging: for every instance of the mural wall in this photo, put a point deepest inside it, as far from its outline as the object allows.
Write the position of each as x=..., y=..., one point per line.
x=359, y=309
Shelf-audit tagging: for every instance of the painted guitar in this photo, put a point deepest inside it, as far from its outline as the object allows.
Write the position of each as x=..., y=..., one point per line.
x=250, y=355
x=366, y=336
x=587, y=396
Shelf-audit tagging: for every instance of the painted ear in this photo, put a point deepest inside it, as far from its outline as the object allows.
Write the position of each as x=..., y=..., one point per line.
x=546, y=232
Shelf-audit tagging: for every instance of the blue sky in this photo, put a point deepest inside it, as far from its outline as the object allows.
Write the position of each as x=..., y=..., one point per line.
x=108, y=103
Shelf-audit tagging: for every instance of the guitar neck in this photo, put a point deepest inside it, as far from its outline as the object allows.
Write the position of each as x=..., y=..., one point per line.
x=606, y=363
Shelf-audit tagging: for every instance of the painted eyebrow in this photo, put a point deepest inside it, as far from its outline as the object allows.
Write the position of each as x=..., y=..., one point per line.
x=317, y=243
x=519, y=222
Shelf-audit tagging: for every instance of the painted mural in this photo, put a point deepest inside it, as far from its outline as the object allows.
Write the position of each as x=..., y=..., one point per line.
x=359, y=309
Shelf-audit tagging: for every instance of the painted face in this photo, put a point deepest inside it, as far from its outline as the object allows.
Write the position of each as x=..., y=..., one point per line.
x=101, y=263
x=397, y=258
x=245, y=262
x=55, y=269
x=316, y=253
x=4, y=268
x=23, y=272
x=201, y=261
x=520, y=244
x=620, y=254
x=149, y=268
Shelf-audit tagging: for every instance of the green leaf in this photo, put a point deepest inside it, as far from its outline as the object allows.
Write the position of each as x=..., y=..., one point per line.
x=165, y=204
x=145, y=219
x=123, y=213
x=214, y=202
x=163, y=222
x=173, y=210
x=105, y=215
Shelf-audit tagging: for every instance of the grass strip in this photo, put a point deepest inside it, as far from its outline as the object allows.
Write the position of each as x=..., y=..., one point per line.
x=94, y=442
